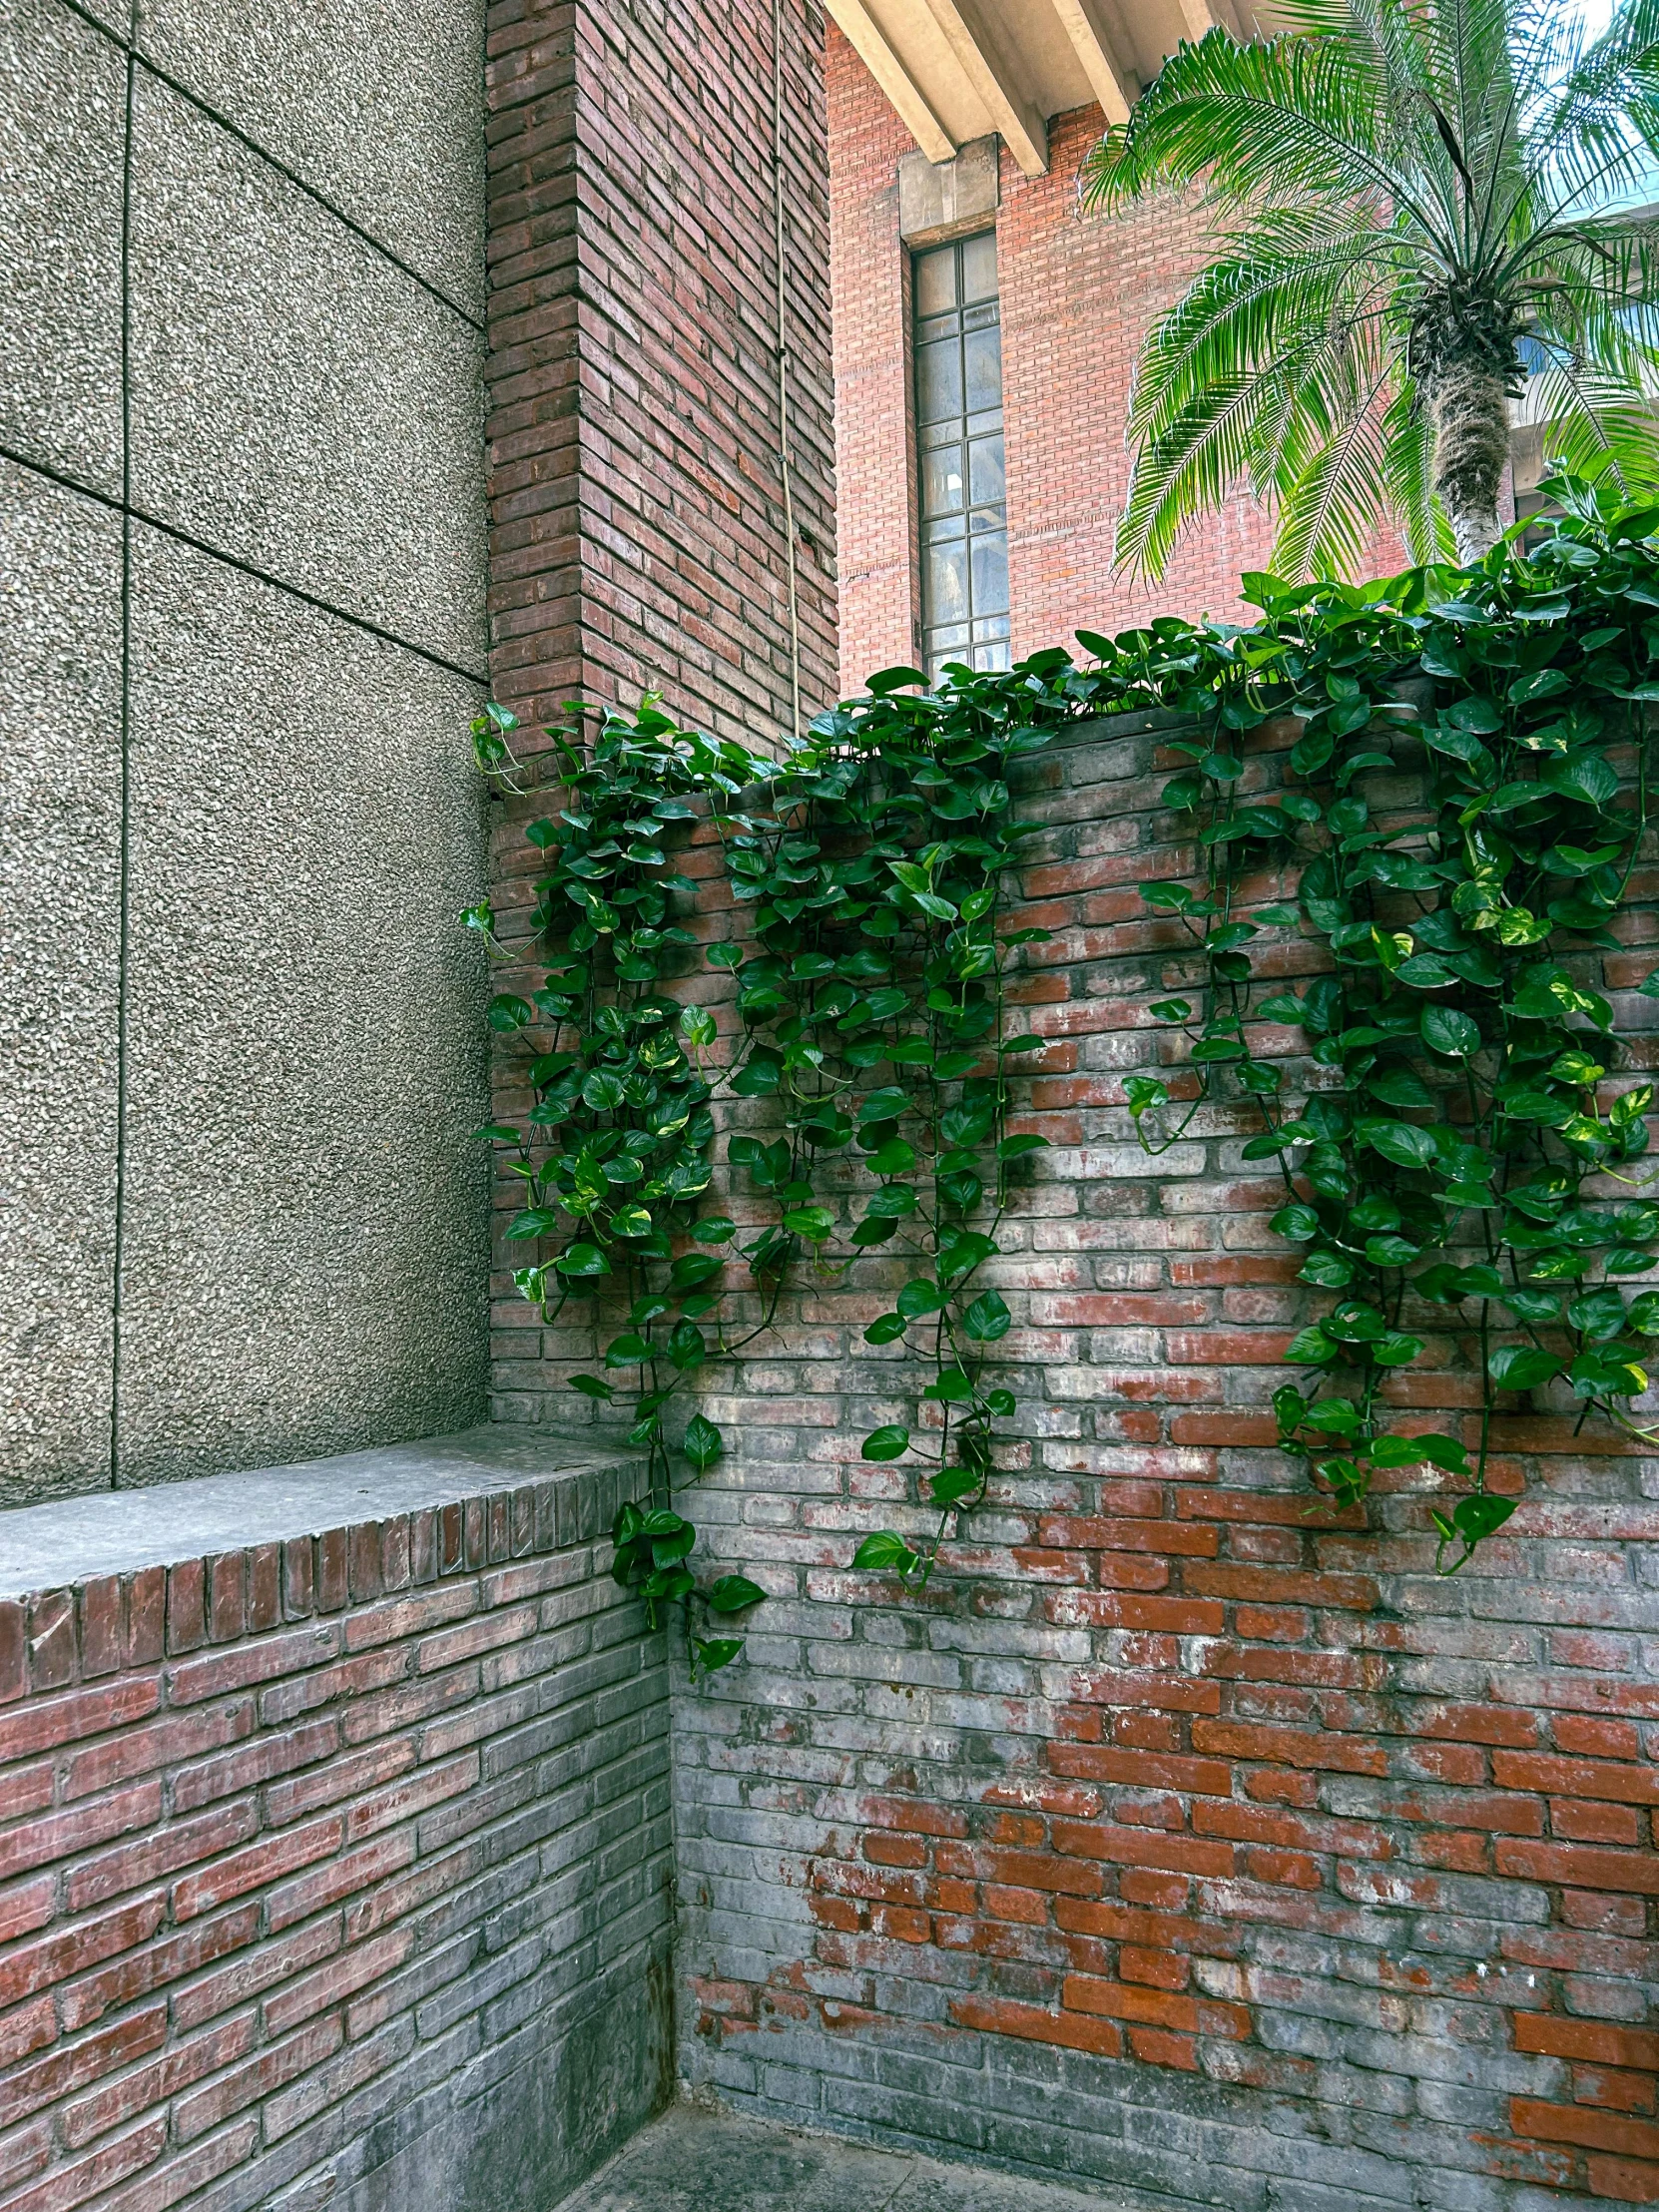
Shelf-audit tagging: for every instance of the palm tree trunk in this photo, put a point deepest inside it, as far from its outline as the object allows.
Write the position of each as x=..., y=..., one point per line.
x=1471, y=413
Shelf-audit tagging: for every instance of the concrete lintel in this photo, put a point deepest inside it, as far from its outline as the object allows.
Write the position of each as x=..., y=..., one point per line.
x=941, y=199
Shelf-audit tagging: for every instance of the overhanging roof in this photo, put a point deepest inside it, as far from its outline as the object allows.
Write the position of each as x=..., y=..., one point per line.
x=960, y=69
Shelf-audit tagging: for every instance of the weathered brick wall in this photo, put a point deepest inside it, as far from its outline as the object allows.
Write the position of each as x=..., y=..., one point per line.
x=1187, y=1836
x=1079, y=292
x=637, y=492
x=335, y=1871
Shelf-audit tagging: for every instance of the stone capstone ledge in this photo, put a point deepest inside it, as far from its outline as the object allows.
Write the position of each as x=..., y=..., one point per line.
x=92, y=1584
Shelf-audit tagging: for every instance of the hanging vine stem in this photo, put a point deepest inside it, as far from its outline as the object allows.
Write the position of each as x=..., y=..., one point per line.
x=866, y=1094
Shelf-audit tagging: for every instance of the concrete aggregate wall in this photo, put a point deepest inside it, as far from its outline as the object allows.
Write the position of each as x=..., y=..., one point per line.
x=336, y=1871
x=241, y=554
x=1187, y=1839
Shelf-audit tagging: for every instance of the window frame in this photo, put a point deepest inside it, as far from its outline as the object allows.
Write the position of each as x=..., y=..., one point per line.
x=980, y=634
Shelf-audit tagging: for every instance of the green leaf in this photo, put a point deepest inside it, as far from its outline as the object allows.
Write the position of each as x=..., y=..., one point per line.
x=918, y=1298
x=1016, y=1148
x=715, y=1652
x=733, y=1592
x=887, y=1444
x=1445, y=1030
x=885, y=1550
x=1477, y=1517
x=885, y=1328
x=1296, y=1221
x=885, y=1105
x=952, y=1484
x=582, y=1259
x=713, y=1228
x=1399, y=1141
x=591, y=1386
x=1521, y=1366
x=987, y=1318
x=1397, y=1349
x=1586, y=777
x=626, y=1352
x=702, y=1444
x=1425, y=971
x=1311, y=1348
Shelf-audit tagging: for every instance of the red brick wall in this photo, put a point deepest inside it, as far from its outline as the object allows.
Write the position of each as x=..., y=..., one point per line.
x=636, y=490
x=339, y=1863
x=1079, y=292
x=1187, y=1836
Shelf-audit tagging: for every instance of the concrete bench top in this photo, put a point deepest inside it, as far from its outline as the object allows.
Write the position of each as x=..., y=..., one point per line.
x=105, y=1533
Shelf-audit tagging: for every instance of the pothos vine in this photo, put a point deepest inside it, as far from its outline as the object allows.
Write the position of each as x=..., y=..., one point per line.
x=866, y=1091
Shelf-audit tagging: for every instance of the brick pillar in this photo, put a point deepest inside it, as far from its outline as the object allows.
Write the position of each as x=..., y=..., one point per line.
x=637, y=494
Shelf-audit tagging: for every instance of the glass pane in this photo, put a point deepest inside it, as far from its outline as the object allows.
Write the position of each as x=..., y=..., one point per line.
x=941, y=480
x=986, y=485
x=938, y=380
x=958, y=408
x=984, y=353
x=990, y=573
x=937, y=281
x=979, y=267
x=947, y=582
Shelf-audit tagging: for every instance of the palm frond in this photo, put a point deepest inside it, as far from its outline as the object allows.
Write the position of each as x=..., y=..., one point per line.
x=1285, y=119
x=1409, y=474
x=1329, y=515
x=1420, y=186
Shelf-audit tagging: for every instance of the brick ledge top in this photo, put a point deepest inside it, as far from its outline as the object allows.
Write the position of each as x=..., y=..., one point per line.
x=112, y=1532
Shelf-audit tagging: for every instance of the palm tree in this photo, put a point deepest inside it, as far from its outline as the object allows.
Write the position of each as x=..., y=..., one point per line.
x=1420, y=194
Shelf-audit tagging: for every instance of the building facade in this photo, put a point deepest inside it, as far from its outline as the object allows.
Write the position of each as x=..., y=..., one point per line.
x=1024, y=553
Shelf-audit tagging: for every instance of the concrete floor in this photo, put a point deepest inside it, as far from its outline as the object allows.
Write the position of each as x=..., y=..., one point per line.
x=696, y=2161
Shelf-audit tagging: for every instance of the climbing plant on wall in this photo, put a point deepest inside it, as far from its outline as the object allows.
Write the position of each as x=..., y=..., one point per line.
x=1442, y=1159
x=1436, y=1165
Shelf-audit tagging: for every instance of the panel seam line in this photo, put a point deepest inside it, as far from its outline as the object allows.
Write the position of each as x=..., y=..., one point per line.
x=133, y=513
x=138, y=59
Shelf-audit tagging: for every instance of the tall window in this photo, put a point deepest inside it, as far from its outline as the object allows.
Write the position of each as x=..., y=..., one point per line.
x=964, y=519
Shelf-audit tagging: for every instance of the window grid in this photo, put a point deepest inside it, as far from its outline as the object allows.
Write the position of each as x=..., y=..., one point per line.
x=959, y=456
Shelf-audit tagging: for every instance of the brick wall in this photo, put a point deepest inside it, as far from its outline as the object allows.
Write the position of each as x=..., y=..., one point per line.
x=636, y=495
x=1187, y=1838
x=335, y=1871
x=1079, y=292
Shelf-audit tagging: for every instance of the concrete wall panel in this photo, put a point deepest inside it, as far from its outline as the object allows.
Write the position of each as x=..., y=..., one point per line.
x=60, y=925
x=296, y=398
x=302, y=82
x=63, y=95
x=305, y=1216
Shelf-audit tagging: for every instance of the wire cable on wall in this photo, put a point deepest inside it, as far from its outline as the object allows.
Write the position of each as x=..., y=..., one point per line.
x=784, y=366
